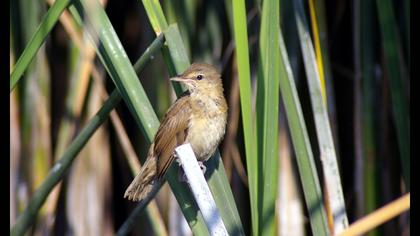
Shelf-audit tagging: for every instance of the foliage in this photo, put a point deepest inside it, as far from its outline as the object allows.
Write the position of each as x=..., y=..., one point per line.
x=338, y=79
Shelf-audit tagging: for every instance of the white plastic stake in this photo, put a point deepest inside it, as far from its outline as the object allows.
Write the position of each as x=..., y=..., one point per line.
x=200, y=190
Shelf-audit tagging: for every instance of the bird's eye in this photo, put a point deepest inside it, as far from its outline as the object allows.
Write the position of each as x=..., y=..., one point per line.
x=199, y=77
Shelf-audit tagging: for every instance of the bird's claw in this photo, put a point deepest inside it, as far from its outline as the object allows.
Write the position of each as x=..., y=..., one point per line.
x=183, y=178
x=202, y=167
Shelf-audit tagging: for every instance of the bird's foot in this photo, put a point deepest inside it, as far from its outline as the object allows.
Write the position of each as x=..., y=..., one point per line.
x=183, y=178
x=202, y=167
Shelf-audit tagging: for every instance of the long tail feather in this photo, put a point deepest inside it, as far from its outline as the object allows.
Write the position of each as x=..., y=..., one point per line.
x=143, y=183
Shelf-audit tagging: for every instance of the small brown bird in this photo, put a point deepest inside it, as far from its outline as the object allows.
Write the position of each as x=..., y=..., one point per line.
x=198, y=117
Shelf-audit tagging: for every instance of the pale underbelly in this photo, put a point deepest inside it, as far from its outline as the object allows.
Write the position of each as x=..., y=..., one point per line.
x=204, y=136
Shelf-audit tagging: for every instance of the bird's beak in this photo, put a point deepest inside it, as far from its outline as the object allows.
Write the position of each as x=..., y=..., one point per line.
x=186, y=81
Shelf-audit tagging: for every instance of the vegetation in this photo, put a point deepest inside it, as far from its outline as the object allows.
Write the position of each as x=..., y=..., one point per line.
x=319, y=122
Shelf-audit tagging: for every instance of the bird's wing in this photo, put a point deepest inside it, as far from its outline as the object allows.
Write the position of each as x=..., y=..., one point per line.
x=171, y=133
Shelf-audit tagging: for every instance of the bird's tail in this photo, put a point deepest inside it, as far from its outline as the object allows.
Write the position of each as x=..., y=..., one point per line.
x=143, y=183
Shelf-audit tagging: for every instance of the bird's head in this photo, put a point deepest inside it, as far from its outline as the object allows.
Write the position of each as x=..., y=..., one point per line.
x=201, y=78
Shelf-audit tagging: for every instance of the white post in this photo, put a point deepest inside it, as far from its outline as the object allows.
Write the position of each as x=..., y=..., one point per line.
x=200, y=190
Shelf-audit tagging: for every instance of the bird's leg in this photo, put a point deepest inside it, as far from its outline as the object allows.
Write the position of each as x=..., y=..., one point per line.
x=177, y=158
x=181, y=174
x=202, y=167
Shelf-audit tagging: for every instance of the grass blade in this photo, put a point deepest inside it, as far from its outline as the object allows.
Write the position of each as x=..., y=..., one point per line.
x=379, y=216
x=41, y=194
x=322, y=125
x=319, y=25
x=183, y=14
x=302, y=146
x=319, y=58
x=200, y=190
x=267, y=115
x=244, y=74
x=34, y=112
x=114, y=58
x=60, y=167
x=149, y=54
x=364, y=111
x=175, y=54
x=155, y=14
x=36, y=41
x=396, y=72
x=222, y=193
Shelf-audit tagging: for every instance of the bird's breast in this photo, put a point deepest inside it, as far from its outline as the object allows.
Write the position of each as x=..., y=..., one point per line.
x=206, y=130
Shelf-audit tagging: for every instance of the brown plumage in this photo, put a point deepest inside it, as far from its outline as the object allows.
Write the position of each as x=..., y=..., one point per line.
x=198, y=117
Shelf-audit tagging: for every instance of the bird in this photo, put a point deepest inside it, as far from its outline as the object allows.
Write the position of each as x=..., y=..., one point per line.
x=197, y=117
